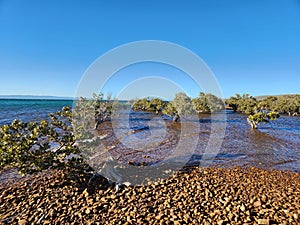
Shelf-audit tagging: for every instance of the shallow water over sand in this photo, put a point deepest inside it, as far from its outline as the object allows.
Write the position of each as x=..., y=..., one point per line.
x=146, y=138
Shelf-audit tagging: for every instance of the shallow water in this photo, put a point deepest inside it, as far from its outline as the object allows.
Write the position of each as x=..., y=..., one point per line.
x=274, y=146
x=29, y=109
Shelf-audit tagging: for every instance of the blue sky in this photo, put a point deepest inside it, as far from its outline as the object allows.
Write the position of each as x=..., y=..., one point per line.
x=252, y=46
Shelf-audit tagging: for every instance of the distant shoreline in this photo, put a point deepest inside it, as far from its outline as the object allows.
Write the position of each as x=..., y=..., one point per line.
x=49, y=97
x=35, y=97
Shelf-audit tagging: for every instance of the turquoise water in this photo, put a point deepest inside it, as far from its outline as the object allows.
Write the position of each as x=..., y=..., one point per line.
x=29, y=109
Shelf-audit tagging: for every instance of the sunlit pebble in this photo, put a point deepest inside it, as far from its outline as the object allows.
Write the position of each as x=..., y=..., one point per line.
x=205, y=196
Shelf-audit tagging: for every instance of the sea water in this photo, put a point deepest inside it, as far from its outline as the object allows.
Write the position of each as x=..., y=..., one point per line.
x=29, y=109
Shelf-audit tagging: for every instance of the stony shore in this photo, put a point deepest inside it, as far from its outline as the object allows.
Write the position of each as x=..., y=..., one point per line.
x=197, y=196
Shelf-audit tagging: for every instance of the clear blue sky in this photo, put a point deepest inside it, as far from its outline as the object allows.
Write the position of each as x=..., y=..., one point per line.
x=252, y=46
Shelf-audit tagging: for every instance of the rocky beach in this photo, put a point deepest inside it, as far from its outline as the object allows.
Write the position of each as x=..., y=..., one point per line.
x=195, y=196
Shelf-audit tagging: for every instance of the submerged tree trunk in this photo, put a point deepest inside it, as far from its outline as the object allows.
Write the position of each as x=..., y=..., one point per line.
x=252, y=123
x=176, y=118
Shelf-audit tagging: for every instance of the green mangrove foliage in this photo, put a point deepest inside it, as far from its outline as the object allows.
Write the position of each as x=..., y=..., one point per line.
x=146, y=104
x=141, y=104
x=92, y=112
x=206, y=103
x=27, y=146
x=259, y=117
x=157, y=105
x=35, y=146
x=265, y=109
x=245, y=103
x=181, y=106
x=88, y=114
x=284, y=104
x=170, y=110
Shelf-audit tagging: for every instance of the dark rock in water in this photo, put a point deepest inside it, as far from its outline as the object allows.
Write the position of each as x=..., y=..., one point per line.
x=137, y=129
x=136, y=163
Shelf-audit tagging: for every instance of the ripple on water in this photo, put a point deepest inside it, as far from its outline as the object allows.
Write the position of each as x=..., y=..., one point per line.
x=270, y=146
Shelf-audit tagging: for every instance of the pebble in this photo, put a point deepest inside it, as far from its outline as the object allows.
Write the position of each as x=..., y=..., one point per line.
x=242, y=208
x=257, y=204
x=22, y=222
x=206, y=196
x=263, y=221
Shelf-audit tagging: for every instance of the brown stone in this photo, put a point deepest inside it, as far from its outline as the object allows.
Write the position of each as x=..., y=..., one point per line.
x=22, y=222
x=263, y=221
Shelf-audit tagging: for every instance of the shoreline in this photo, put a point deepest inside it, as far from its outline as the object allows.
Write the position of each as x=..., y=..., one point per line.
x=211, y=195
